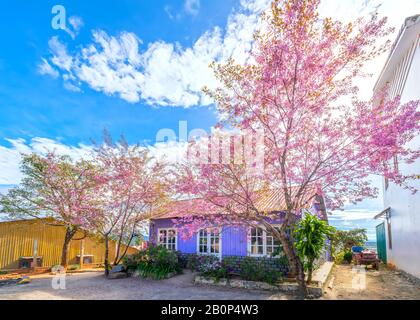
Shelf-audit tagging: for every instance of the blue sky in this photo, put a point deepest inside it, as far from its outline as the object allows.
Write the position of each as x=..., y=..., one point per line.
x=35, y=105
x=133, y=67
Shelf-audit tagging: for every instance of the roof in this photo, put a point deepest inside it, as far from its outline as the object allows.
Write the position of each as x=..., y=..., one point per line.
x=28, y=220
x=271, y=200
x=409, y=32
x=384, y=214
x=274, y=200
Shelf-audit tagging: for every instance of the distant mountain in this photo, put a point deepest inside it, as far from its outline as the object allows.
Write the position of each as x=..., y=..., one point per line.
x=371, y=245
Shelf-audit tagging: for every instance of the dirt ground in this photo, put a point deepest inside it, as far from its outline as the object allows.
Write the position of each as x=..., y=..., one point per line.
x=385, y=284
x=94, y=286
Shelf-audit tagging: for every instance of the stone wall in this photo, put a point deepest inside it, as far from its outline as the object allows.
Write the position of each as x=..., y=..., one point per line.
x=234, y=263
x=275, y=264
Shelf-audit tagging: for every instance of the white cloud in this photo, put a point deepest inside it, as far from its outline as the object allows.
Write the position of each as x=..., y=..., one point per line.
x=360, y=218
x=348, y=10
x=167, y=74
x=9, y=166
x=71, y=87
x=192, y=7
x=10, y=157
x=61, y=59
x=395, y=11
x=76, y=24
x=353, y=215
x=171, y=151
x=45, y=68
x=168, y=11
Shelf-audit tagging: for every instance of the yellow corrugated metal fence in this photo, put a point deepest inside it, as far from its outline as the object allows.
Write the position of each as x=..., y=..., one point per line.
x=17, y=240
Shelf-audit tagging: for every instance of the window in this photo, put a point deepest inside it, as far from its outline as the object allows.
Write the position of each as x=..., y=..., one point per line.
x=272, y=244
x=262, y=243
x=257, y=241
x=209, y=241
x=167, y=238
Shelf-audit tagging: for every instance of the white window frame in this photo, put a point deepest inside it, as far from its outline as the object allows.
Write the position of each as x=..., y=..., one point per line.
x=166, y=244
x=209, y=243
x=264, y=245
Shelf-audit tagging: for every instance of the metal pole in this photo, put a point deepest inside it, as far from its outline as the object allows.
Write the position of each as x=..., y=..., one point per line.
x=82, y=252
x=35, y=254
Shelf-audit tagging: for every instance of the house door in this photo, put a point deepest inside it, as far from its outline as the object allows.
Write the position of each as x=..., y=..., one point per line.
x=381, y=241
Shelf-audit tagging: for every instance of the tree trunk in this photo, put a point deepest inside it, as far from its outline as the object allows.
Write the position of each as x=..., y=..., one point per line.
x=310, y=270
x=125, y=251
x=295, y=264
x=297, y=268
x=118, y=259
x=106, y=262
x=117, y=253
x=67, y=238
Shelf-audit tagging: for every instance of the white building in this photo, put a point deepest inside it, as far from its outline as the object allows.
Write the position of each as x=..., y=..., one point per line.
x=402, y=209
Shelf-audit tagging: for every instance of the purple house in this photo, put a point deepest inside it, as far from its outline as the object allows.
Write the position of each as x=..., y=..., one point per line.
x=228, y=240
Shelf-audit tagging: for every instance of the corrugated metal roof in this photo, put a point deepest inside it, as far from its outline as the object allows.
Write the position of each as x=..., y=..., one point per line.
x=271, y=200
x=184, y=208
x=274, y=200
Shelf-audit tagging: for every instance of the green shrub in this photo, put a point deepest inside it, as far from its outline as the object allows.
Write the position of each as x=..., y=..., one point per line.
x=278, y=253
x=213, y=269
x=157, y=272
x=283, y=260
x=348, y=256
x=195, y=261
x=232, y=263
x=339, y=258
x=130, y=262
x=255, y=270
x=311, y=234
x=344, y=240
x=343, y=257
x=155, y=262
x=73, y=267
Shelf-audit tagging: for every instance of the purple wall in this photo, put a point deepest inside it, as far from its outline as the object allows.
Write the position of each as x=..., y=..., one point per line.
x=185, y=246
x=234, y=239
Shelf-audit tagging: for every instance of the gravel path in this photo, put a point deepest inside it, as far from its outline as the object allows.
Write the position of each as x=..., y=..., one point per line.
x=385, y=284
x=95, y=286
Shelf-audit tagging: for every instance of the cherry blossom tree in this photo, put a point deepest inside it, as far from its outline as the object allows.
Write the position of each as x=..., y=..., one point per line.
x=300, y=89
x=132, y=187
x=56, y=190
